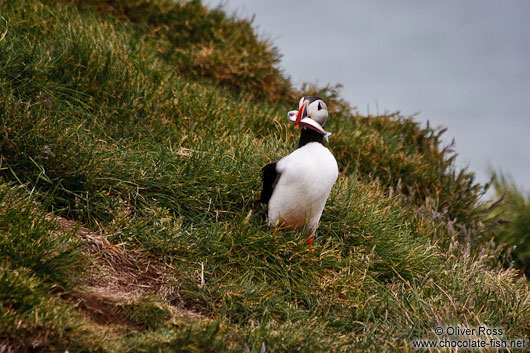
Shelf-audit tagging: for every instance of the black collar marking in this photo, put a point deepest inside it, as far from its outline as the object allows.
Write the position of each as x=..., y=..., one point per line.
x=310, y=135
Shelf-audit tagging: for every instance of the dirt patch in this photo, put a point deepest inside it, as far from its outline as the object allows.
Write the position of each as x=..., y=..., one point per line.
x=118, y=270
x=116, y=275
x=102, y=309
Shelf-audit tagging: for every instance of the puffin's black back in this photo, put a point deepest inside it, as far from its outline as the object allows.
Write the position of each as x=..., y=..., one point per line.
x=269, y=175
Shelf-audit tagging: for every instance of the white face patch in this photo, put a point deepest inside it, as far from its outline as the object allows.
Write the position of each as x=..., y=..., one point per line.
x=318, y=111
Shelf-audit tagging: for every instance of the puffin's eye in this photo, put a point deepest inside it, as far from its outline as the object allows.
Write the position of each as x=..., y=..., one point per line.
x=319, y=106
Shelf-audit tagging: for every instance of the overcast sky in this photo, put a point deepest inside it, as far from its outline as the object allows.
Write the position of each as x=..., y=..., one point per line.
x=461, y=64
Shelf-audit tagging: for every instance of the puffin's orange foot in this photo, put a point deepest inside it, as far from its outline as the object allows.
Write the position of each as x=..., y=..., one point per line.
x=310, y=243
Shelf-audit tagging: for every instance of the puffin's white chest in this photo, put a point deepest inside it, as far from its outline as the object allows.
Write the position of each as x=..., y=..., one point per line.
x=306, y=178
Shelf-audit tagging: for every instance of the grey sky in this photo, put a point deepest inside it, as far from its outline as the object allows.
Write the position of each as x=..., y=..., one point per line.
x=461, y=64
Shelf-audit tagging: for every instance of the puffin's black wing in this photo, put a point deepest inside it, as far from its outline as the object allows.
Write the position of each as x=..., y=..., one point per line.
x=270, y=176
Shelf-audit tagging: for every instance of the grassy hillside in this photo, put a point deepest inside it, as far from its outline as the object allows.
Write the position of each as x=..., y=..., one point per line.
x=131, y=137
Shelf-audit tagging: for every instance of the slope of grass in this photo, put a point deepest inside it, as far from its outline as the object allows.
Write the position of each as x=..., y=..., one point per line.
x=104, y=110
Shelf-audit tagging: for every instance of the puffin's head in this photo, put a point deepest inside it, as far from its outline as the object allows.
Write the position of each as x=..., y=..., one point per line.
x=312, y=113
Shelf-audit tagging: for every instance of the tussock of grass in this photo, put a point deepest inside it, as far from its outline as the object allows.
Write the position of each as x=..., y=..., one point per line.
x=514, y=215
x=197, y=41
x=104, y=110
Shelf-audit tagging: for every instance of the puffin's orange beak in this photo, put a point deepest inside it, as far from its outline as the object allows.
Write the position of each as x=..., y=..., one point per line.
x=299, y=117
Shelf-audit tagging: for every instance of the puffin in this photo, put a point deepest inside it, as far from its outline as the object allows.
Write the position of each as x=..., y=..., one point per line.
x=296, y=187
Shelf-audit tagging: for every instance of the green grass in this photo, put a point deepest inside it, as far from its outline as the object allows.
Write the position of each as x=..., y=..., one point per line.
x=110, y=116
x=146, y=312
x=38, y=266
x=514, y=215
